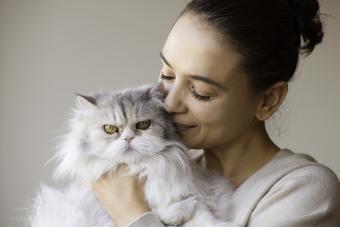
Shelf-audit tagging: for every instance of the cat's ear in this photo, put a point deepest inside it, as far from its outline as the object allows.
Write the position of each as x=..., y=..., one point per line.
x=85, y=101
x=158, y=92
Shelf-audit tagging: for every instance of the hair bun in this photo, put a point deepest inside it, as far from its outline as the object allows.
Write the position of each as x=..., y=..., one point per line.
x=310, y=25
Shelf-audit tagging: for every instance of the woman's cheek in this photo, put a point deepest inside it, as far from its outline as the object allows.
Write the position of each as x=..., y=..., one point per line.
x=214, y=111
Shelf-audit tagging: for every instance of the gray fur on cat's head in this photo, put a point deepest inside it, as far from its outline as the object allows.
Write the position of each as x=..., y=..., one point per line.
x=89, y=147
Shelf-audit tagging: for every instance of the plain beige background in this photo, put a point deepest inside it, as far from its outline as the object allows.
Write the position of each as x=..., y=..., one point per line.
x=51, y=49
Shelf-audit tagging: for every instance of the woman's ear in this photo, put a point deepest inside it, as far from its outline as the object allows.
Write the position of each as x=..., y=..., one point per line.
x=272, y=98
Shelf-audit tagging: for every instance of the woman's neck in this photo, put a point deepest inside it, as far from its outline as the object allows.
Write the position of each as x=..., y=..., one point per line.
x=242, y=157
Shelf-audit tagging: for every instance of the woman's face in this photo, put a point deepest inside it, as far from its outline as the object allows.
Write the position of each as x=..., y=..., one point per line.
x=208, y=96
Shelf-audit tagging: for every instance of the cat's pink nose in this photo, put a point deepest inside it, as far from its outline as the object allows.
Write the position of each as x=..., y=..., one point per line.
x=128, y=139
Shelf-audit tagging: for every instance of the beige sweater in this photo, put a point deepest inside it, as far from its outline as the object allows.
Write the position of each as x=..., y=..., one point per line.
x=292, y=190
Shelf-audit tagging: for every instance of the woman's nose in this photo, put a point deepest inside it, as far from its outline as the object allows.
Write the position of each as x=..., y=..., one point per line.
x=174, y=101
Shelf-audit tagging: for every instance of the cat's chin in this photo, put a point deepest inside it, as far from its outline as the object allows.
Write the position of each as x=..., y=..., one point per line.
x=132, y=157
x=135, y=157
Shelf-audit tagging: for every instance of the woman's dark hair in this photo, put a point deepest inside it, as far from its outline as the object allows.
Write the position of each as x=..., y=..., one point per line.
x=269, y=34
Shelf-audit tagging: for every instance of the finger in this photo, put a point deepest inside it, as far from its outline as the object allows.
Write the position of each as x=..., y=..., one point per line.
x=94, y=186
x=100, y=181
x=122, y=169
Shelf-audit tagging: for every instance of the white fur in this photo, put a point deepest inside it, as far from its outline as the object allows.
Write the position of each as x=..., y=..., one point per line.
x=76, y=206
x=177, y=189
x=172, y=190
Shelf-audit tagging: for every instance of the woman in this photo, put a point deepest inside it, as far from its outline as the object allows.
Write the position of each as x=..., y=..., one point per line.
x=226, y=65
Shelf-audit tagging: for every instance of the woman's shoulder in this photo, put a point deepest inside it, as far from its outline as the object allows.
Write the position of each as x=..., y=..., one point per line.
x=305, y=195
x=312, y=181
x=291, y=187
x=299, y=172
x=304, y=167
x=310, y=185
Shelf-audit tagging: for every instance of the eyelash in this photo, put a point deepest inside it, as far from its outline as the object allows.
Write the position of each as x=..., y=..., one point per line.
x=192, y=90
x=164, y=77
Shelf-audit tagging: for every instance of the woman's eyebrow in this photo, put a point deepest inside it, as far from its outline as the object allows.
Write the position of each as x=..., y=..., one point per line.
x=163, y=58
x=195, y=77
x=206, y=80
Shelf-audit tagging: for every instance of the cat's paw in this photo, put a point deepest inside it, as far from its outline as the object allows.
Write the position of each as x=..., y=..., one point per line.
x=178, y=213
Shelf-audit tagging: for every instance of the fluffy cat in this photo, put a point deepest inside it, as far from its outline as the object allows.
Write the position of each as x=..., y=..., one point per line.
x=132, y=127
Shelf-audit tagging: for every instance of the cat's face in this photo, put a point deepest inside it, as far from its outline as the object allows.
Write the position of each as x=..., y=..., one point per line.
x=125, y=126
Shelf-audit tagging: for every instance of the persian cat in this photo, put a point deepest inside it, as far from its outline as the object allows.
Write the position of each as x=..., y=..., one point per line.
x=132, y=127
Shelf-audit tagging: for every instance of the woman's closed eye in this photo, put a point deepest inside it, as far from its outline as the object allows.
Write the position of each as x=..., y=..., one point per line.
x=197, y=96
x=164, y=77
x=192, y=90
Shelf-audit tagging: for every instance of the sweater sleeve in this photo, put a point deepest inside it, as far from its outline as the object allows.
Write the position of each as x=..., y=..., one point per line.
x=309, y=196
x=148, y=219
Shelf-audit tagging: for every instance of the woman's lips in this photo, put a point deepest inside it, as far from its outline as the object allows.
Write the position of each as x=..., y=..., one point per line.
x=183, y=127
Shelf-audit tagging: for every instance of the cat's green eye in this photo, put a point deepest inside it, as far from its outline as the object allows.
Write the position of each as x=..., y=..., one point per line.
x=110, y=129
x=143, y=124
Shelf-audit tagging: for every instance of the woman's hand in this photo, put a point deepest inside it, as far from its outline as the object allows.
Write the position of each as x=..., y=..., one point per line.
x=121, y=196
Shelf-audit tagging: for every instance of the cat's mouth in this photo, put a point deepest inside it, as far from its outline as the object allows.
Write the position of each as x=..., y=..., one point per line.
x=129, y=148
